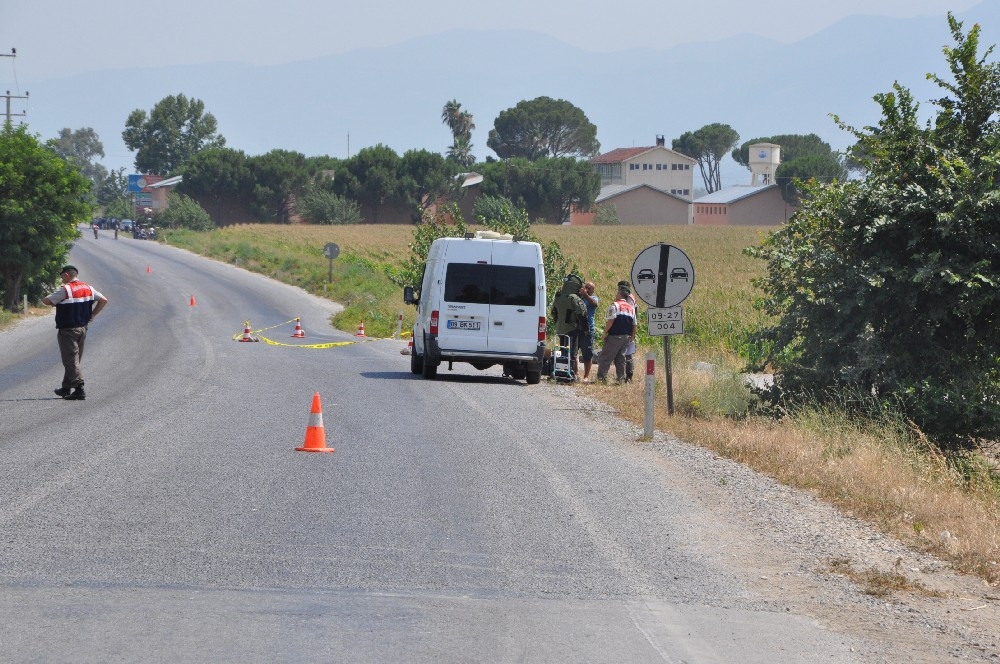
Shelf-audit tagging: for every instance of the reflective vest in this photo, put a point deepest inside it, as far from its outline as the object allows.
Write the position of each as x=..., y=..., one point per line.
x=75, y=310
x=624, y=317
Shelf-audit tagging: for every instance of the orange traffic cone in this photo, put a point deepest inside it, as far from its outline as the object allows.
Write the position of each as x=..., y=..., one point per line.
x=193, y=304
x=149, y=269
x=299, y=333
x=315, y=434
x=361, y=329
x=246, y=333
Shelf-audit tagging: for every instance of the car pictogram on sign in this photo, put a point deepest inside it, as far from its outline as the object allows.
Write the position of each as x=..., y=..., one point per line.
x=678, y=273
x=646, y=275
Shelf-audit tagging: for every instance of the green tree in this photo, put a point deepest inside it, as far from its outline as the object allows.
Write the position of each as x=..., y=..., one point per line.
x=607, y=215
x=461, y=125
x=322, y=206
x=42, y=199
x=547, y=187
x=543, y=127
x=371, y=177
x=708, y=146
x=278, y=177
x=425, y=177
x=803, y=157
x=81, y=148
x=217, y=175
x=113, y=195
x=888, y=287
x=170, y=134
x=184, y=212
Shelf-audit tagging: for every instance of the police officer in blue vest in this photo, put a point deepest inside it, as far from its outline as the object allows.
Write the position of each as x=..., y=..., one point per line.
x=76, y=306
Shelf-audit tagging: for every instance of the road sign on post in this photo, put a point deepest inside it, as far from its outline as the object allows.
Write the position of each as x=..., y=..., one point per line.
x=331, y=251
x=662, y=276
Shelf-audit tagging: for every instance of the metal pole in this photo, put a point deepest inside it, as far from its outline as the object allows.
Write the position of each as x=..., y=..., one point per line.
x=647, y=422
x=670, y=376
x=329, y=276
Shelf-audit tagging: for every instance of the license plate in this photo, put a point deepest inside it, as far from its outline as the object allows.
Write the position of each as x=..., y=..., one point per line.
x=464, y=325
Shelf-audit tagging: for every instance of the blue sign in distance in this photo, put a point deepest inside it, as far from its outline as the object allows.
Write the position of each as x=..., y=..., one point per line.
x=662, y=276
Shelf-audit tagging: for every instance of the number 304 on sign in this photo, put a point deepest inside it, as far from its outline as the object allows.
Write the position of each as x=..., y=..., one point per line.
x=662, y=322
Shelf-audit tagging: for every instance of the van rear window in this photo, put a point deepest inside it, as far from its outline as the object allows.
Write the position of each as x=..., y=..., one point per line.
x=476, y=283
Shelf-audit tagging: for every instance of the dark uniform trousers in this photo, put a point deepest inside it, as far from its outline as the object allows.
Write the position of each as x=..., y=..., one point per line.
x=71, y=349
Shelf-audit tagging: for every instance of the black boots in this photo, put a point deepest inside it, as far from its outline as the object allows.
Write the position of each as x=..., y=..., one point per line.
x=76, y=395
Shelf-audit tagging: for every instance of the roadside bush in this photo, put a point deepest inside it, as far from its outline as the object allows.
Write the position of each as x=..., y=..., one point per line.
x=184, y=212
x=325, y=207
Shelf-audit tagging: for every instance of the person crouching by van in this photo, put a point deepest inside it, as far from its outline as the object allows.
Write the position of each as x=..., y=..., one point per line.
x=619, y=329
x=570, y=314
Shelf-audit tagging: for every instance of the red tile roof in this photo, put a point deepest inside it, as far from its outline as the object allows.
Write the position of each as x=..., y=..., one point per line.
x=618, y=155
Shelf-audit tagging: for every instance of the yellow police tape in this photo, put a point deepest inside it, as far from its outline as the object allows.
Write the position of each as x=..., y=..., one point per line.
x=259, y=337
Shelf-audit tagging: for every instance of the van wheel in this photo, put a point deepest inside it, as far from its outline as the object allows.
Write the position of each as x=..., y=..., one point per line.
x=534, y=376
x=416, y=362
x=430, y=370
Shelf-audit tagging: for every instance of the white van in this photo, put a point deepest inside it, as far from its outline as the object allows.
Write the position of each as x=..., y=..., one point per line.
x=482, y=301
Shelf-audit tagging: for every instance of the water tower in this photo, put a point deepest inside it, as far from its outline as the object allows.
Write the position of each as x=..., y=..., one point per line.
x=764, y=160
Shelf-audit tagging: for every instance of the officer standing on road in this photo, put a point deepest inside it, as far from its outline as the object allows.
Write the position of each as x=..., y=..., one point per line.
x=75, y=309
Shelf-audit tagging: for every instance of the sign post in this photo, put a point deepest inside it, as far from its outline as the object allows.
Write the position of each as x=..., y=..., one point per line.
x=663, y=276
x=331, y=251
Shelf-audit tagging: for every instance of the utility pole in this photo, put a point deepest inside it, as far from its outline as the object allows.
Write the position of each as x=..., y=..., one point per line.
x=9, y=96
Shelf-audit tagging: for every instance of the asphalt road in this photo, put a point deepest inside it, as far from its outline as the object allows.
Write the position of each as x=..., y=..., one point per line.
x=466, y=519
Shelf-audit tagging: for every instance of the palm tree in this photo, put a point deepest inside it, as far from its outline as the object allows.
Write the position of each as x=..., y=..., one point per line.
x=461, y=125
x=461, y=152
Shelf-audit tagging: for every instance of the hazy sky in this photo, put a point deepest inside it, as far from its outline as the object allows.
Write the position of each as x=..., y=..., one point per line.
x=54, y=38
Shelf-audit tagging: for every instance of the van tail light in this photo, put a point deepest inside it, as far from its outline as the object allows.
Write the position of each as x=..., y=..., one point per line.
x=434, y=322
x=541, y=328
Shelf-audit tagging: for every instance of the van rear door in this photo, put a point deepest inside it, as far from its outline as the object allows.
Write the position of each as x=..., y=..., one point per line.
x=514, y=299
x=465, y=306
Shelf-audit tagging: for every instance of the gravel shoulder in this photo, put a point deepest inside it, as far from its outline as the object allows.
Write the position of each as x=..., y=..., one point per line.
x=782, y=542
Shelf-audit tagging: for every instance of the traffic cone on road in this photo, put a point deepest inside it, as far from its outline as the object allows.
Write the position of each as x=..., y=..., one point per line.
x=246, y=333
x=149, y=269
x=299, y=333
x=315, y=433
x=361, y=329
x=193, y=303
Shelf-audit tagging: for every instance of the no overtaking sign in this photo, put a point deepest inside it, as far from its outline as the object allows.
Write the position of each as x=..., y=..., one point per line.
x=662, y=276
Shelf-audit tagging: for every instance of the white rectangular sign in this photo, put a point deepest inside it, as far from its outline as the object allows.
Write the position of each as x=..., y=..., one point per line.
x=662, y=322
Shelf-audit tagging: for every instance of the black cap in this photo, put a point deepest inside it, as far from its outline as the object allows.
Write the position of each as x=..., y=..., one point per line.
x=624, y=285
x=67, y=268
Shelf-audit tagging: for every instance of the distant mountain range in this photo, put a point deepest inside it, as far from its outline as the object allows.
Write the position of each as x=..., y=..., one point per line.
x=394, y=95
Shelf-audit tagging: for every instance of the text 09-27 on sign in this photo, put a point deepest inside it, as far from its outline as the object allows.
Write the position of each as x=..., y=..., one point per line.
x=662, y=322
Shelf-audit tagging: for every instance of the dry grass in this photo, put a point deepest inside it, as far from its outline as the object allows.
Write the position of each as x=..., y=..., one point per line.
x=866, y=469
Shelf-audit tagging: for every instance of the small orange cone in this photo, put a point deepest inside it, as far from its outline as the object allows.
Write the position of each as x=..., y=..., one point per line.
x=149, y=269
x=246, y=333
x=361, y=329
x=193, y=304
x=299, y=333
x=315, y=434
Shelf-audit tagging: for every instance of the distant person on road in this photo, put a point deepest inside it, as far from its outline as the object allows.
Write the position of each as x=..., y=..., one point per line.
x=77, y=304
x=590, y=300
x=630, y=351
x=570, y=315
x=619, y=329
x=115, y=225
x=94, y=226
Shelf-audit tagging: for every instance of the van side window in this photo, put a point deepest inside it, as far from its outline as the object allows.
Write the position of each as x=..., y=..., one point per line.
x=476, y=283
